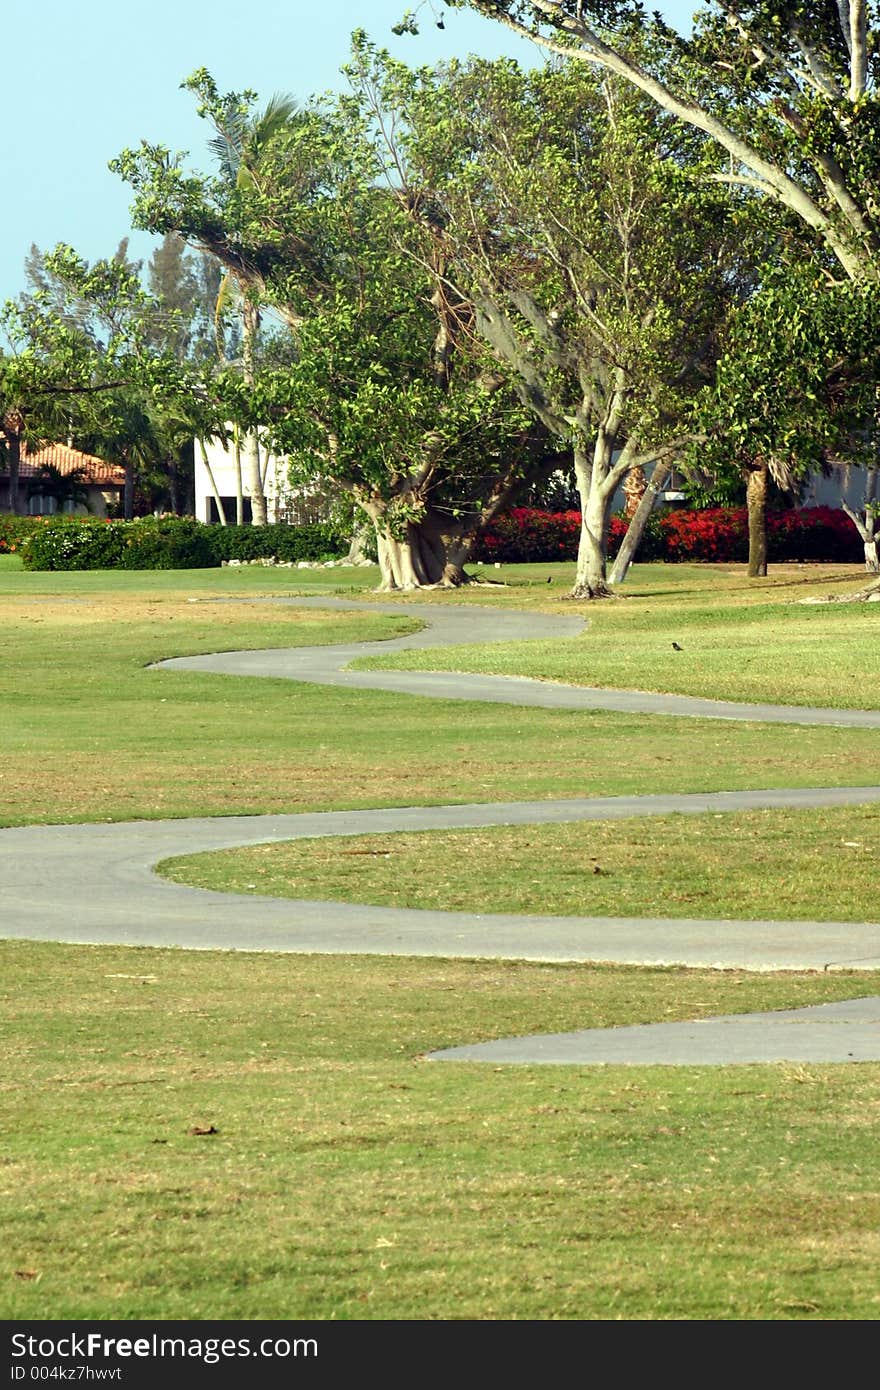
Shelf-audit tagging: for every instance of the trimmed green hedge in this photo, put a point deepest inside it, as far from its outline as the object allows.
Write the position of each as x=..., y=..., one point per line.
x=14, y=531
x=150, y=543
x=318, y=541
x=168, y=542
x=84, y=543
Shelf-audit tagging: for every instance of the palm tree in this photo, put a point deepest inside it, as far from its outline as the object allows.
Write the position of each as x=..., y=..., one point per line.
x=241, y=145
x=12, y=422
x=64, y=487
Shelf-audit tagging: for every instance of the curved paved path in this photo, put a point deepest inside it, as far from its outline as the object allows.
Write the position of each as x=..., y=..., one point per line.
x=453, y=626
x=95, y=883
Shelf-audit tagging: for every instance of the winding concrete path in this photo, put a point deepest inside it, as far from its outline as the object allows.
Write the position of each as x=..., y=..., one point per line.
x=95, y=883
x=453, y=626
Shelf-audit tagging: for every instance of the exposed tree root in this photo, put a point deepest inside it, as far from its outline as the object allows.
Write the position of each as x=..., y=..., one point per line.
x=448, y=582
x=871, y=594
x=591, y=591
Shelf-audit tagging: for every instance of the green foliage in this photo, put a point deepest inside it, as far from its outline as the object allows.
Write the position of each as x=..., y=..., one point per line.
x=70, y=544
x=366, y=398
x=585, y=229
x=184, y=286
x=788, y=90
x=14, y=531
x=796, y=383
x=63, y=487
x=163, y=543
x=315, y=541
x=97, y=357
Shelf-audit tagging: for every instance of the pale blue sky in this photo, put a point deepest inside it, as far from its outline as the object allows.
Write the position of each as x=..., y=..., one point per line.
x=83, y=80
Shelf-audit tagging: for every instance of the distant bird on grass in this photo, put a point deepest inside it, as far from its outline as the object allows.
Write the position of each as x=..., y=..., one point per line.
x=677, y=648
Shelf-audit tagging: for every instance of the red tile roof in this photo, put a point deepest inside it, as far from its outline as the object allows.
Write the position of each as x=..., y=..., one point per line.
x=66, y=460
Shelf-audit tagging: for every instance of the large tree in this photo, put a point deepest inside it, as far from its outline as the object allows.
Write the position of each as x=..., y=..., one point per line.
x=598, y=259
x=385, y=392
x=796, y=391
x=229, y=215
x=242, y=144
x=185, y=286
x=787, y=90
x=786, y=87
x=85, y=361
x=57, y=366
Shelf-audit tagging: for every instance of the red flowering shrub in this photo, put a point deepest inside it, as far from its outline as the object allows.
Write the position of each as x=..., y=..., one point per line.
x=719, y=535
x=814, y=533
x=524, y=533
x=14, y=531
x=716, y=535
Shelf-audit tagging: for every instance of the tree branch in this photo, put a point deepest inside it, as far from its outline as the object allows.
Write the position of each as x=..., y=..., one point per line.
x=857, y=263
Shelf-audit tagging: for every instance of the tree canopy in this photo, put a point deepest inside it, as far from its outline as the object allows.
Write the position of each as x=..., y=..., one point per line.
x=788, y=90
x=596, y=259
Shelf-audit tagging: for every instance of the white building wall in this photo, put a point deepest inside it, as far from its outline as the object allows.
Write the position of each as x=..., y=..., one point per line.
x=221, y=457
x=845, y=483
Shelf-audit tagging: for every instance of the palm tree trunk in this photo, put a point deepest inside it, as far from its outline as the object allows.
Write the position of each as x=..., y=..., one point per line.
x=253, y=472
x=756, y=501
x=13, y=424
x=239, y=491
x=218, y=500
x=638, y=521
x=128, y=489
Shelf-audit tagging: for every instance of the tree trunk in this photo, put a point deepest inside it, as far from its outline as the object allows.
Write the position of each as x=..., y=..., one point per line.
x=357, y=552
x=425, y=556
x=253, y=472
x=128, y=489
x=639, y=520
x=866, y=525
x=458, y=552
x=592, y=562
x=13, y=461
x=239, y=489
x=756, y=501
x=253, y=475
x=218, y=501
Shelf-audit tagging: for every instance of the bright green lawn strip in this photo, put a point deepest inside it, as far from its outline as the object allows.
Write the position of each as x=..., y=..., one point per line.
x=773, y=864
x=248, y=580
x=90, y=734
x=349, y=1179
x=738, y=643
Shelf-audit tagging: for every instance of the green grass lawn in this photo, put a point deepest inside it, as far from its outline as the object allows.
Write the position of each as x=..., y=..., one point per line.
x=813, y=865
x=741, y=640
x=91, y=734
x=347, y=1177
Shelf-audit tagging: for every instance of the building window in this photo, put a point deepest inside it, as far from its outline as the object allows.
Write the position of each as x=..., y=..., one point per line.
x=229, y=511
